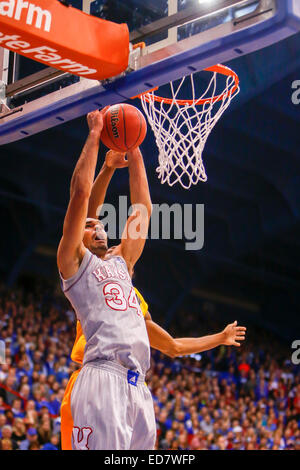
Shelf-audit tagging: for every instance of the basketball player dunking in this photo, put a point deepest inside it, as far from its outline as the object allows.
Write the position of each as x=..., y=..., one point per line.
x=111, y=406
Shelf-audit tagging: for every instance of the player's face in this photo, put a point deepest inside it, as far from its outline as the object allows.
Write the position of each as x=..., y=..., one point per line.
x=95, y=237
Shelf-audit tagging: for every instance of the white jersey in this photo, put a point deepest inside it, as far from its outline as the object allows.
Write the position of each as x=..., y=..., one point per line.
x=105, y=303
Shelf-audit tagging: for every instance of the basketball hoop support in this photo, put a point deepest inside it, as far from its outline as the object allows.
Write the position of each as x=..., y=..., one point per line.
x=155, y=69
x=101, y=50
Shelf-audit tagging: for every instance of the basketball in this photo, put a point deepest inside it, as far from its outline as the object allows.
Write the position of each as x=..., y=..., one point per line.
x=124, y=127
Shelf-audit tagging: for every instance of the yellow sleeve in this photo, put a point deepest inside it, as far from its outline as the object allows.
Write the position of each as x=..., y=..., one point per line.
x=79, y=345
x=142, y=302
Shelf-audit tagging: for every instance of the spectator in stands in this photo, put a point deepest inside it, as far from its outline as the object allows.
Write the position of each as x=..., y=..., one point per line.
x=34, y=446
x=6, y=444
x=243, y=399
x=31, y=415
x=206, y=424
x=2, y=421
x=16, y=408
x=166, y=442
x=31, y=438
x=19, y=430
x=44, y=431
x=53, y=444
x=6, y=433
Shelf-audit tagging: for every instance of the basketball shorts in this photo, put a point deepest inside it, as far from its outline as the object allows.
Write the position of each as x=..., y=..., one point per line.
x=112, y=409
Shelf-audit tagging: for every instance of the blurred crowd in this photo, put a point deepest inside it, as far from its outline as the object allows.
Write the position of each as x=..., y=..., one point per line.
x=224, y=399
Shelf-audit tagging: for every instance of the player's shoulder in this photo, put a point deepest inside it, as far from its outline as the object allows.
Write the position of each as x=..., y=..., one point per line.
x=70, y=271
x=114, y=252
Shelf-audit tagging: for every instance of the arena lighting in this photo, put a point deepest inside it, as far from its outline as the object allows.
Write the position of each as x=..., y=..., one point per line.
x=197, y=357
x=206, y=1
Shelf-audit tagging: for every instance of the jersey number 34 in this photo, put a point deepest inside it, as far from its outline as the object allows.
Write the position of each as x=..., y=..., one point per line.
x=116, y=299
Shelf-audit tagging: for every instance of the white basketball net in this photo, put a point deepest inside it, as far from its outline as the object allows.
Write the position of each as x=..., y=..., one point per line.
x=181, y=129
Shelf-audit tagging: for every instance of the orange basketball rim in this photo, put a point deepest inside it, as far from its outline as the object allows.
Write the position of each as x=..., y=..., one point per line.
x=220, y=69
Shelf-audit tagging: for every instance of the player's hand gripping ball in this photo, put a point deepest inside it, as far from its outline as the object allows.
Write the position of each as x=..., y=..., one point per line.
x=115, y=159
x=124, y=127
x=95, y=121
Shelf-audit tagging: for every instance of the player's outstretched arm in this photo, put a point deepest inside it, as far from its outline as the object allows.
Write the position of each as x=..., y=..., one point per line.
x=161, y=340
x=71, y=249
x=113, y=160
x=136, y=229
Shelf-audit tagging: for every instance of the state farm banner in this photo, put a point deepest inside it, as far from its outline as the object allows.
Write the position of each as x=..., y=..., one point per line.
x=64, y=38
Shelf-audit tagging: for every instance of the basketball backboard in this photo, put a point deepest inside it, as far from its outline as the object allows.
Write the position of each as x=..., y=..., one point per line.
x=180, y=36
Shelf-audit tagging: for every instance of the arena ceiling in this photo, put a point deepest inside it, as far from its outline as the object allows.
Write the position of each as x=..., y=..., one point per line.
x=252, y=200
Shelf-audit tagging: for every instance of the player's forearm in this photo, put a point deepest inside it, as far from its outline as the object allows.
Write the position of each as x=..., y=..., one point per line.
x=185, y=346
x=99, y=189
x=84, y=172
x=160, y=339
x=139, y=188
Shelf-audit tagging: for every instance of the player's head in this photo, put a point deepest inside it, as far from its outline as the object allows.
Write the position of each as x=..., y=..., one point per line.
x=95, y=237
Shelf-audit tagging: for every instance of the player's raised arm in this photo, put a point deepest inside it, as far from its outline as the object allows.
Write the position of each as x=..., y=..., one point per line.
x=136, y=229
x=71, y=249
x=164, y=342
x=113, y=160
